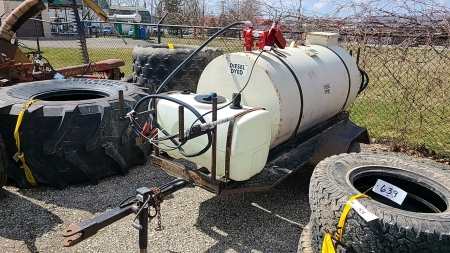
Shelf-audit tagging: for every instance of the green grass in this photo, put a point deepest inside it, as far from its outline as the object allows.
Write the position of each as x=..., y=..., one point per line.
x=407, y=100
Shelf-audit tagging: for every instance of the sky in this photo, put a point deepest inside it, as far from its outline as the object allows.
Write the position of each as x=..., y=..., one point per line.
x=325, y=7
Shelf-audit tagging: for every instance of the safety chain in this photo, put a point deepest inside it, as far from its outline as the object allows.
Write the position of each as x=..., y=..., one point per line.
x=159, y=198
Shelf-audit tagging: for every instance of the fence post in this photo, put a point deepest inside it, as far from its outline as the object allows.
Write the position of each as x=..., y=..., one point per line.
x=157, y=27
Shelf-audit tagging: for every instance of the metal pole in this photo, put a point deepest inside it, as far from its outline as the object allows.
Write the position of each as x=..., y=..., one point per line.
x=36, y=33
x=214, y=140
x=143, y=219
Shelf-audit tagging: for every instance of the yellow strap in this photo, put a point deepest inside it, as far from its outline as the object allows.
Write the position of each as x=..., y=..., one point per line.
x=21, y=156
x=343, y=217
x=327, y=244
x=171, y=46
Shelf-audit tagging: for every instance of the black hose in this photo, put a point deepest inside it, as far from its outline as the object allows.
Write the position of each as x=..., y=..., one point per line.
x=364, y=80
x=195, y=112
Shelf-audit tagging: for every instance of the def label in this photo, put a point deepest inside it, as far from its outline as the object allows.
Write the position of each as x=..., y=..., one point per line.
x=237, y=69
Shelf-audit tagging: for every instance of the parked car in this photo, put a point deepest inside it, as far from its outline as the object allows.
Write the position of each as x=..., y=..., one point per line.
x=108, y=30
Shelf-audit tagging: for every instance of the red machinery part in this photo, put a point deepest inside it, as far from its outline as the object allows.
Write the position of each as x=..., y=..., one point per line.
x=265, y=38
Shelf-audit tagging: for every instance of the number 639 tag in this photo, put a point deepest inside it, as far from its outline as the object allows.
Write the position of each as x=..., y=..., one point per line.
x=390, y=191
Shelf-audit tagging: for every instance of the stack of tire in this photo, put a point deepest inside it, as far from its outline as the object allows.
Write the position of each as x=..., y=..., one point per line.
x=420, y=224
x=72, y=133
x=154, y=63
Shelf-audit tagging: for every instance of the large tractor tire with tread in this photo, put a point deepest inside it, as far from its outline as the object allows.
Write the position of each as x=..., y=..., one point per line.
x=73, y=133
x=153, y=64
x=420, y=224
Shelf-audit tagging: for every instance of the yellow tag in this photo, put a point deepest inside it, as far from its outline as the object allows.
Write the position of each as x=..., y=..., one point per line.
x=171, y=46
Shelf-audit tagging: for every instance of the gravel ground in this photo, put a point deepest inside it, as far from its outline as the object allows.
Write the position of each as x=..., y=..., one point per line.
x=31, y=220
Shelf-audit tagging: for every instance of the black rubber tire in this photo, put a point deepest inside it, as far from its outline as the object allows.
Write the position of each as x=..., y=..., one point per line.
x=77, y=138
x=415, y=229
x=153, y=64
x=306, y=239
x=304, y=243
x=3, y=164
x=127, y=79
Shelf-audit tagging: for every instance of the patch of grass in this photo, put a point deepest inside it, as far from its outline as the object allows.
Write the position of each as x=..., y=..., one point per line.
x=64, y=57
x=407, y=100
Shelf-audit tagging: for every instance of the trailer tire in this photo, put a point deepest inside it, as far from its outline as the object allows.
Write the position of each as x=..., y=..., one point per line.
x=153, y=64
x=420, y=224
x=74, y=133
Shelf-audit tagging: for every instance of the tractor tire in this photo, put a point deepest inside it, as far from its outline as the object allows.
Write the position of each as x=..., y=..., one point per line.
x=420, y=224
x=153, y=64
x=73, y=134
x=3, y=164
x=127, y=79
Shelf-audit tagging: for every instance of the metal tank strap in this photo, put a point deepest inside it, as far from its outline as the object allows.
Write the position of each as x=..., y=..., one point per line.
x=230, y=138
x=299, y=91
x=348, y=74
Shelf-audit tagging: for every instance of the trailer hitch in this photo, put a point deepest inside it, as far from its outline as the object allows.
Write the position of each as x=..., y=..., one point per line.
x=144, y=199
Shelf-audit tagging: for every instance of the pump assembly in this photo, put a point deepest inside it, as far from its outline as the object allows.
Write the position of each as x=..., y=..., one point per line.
x=257, y=117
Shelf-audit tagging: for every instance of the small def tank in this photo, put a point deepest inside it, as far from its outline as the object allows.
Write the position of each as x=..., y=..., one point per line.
x=247, y=135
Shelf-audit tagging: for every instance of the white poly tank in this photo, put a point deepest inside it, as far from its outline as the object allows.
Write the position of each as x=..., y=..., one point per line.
x=250, y=138
x=304, y=87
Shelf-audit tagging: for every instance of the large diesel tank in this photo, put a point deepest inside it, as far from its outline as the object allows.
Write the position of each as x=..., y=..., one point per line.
x=301, y=86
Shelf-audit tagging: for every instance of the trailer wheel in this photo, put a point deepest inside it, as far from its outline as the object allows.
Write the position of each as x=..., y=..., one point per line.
x=3, y=163
x=153, y=64
x=74, y=133
x=420, y=224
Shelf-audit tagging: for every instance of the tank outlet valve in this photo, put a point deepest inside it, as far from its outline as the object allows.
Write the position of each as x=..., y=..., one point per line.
x=236, y=97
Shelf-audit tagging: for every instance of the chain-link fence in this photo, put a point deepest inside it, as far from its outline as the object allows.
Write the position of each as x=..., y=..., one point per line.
x=64, y=47
x=406, y=102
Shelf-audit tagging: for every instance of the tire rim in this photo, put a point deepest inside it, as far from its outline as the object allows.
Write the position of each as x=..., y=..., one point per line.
x=422, y=197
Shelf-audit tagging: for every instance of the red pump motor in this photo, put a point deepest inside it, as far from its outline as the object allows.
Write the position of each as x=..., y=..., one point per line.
x=263, y=38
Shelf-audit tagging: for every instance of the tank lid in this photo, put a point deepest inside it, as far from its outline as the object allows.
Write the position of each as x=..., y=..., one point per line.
x=208, y=98
x=322, y=38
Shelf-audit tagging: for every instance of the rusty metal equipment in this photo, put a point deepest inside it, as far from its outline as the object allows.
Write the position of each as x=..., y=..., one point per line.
x=17, y=66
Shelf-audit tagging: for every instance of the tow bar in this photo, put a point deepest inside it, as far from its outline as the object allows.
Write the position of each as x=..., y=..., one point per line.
x=141, y=205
